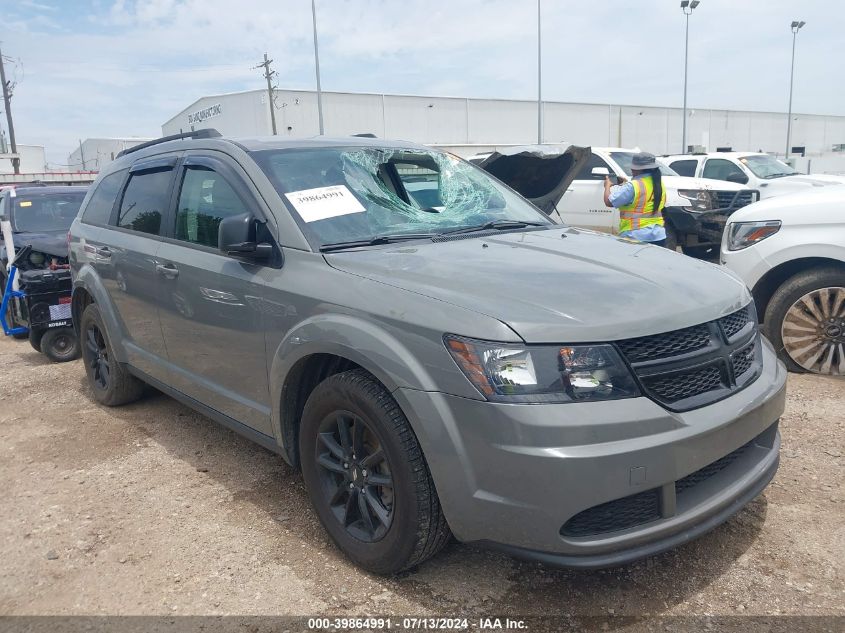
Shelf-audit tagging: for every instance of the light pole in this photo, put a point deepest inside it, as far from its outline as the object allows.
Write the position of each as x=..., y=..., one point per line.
x=539, y=77
x=317, y=66
x=687, y=7
x=795, y=26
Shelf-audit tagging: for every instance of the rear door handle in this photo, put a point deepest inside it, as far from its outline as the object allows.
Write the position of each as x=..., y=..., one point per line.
x=103, y=251
x=167, y=270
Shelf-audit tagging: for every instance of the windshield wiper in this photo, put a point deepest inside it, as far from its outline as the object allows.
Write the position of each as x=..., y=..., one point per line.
x=494, y=225
x=781, y=175
x=375, y=241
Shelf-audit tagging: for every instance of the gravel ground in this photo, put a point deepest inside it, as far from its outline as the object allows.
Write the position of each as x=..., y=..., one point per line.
x=154, y=509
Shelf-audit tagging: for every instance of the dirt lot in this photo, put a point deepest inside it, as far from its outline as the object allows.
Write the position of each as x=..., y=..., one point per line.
x=154, y=509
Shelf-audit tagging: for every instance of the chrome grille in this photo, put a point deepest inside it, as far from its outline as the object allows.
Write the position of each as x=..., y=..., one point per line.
x=724, y=199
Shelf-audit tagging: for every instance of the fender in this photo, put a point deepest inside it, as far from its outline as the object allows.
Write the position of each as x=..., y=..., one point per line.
x=827, y=250
x=88, y=280
x=356, y=339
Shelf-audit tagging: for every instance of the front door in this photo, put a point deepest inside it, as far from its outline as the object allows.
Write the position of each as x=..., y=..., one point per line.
x=211, y=309
x=583, y=203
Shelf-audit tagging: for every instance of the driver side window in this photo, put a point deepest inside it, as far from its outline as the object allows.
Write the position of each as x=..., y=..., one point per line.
x=204, y=201
x=720, y=169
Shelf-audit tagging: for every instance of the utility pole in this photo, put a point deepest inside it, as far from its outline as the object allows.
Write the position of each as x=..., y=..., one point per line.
x=7, y=101
x=268, y=75
x=539, y=76
x=81, y=156
x=687, y=7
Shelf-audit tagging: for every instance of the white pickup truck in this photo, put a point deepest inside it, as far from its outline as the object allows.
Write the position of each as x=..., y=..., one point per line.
x=696, y=209
x=790, y=251
x=767, y=174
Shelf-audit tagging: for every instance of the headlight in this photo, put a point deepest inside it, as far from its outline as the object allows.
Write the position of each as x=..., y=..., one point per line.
x=744, y=234
x=700, y=200
x=547, y=373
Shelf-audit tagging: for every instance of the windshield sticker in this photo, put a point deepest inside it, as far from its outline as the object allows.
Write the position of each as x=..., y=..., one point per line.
x=25, y=203
x=323, y=203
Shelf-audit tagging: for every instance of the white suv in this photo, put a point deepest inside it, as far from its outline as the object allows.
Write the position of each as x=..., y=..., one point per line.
x=767, y=174
x=790, y=251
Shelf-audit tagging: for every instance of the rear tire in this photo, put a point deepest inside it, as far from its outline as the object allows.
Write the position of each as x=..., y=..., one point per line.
x=35, y=337
x=798, y=333
x=367, y=477
x=111, y=383
x=60, y=345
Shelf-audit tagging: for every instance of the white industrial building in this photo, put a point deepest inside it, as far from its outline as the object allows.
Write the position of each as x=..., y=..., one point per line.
x=469, y=125
x=94, y=153
x=33, y=159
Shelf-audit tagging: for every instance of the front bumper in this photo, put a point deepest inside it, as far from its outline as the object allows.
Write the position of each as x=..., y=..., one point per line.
x=512, y=476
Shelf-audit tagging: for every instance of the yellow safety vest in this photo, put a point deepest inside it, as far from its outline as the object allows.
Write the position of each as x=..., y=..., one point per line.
x=641, y=212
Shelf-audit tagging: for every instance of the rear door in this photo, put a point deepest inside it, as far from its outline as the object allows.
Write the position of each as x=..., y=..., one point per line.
x=124, y=255
x=211, y=305
x=583, y=203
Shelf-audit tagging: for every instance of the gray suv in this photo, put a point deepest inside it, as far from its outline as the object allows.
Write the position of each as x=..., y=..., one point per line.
x=433, y=353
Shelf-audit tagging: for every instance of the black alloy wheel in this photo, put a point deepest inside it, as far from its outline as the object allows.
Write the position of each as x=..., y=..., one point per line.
x=355, y=476
x=97, y=356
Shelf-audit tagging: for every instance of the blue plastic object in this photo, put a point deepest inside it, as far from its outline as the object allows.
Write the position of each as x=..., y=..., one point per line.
x=8, y=295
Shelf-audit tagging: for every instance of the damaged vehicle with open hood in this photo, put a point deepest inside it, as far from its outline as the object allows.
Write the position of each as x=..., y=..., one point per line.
x=34, y=270
x=431, y=351
x=569, y=186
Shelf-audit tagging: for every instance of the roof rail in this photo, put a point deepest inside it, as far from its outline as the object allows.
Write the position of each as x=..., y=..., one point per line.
x=203, y=133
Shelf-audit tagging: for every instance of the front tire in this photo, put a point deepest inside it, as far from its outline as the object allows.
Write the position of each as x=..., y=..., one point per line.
x=367, y=477
x=111, y=383
x=35, y=337
x=60, y=345
x=805, y=321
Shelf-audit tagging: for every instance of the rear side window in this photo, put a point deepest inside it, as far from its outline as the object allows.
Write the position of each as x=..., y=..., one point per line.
x=205, y=199
x=98, y=210
x=145, y=201
x=685, y=167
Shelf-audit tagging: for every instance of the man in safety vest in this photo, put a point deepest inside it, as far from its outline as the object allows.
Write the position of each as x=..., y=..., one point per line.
x=640, y=217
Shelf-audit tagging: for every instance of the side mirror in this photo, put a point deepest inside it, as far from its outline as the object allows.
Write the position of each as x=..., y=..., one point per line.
x=600, y=171
x=737, y=177
x=236, y=237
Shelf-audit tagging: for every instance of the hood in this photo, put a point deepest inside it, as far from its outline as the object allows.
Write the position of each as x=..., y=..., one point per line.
x=52, y=243
x=823, y=205
x=793, y=184
x=561, y=285
x=540, y=173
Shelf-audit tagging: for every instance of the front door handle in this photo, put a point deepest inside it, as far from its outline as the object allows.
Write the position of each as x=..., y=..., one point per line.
x=167, y=270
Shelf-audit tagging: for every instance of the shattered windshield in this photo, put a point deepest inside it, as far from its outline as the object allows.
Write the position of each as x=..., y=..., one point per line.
x=358, y=193
x=767, y=166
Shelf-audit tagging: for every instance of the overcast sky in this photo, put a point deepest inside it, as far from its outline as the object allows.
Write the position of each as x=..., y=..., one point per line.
x=88, y=68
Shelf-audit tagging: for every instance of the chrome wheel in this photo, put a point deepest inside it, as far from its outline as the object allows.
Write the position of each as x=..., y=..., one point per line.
x=813, y=331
